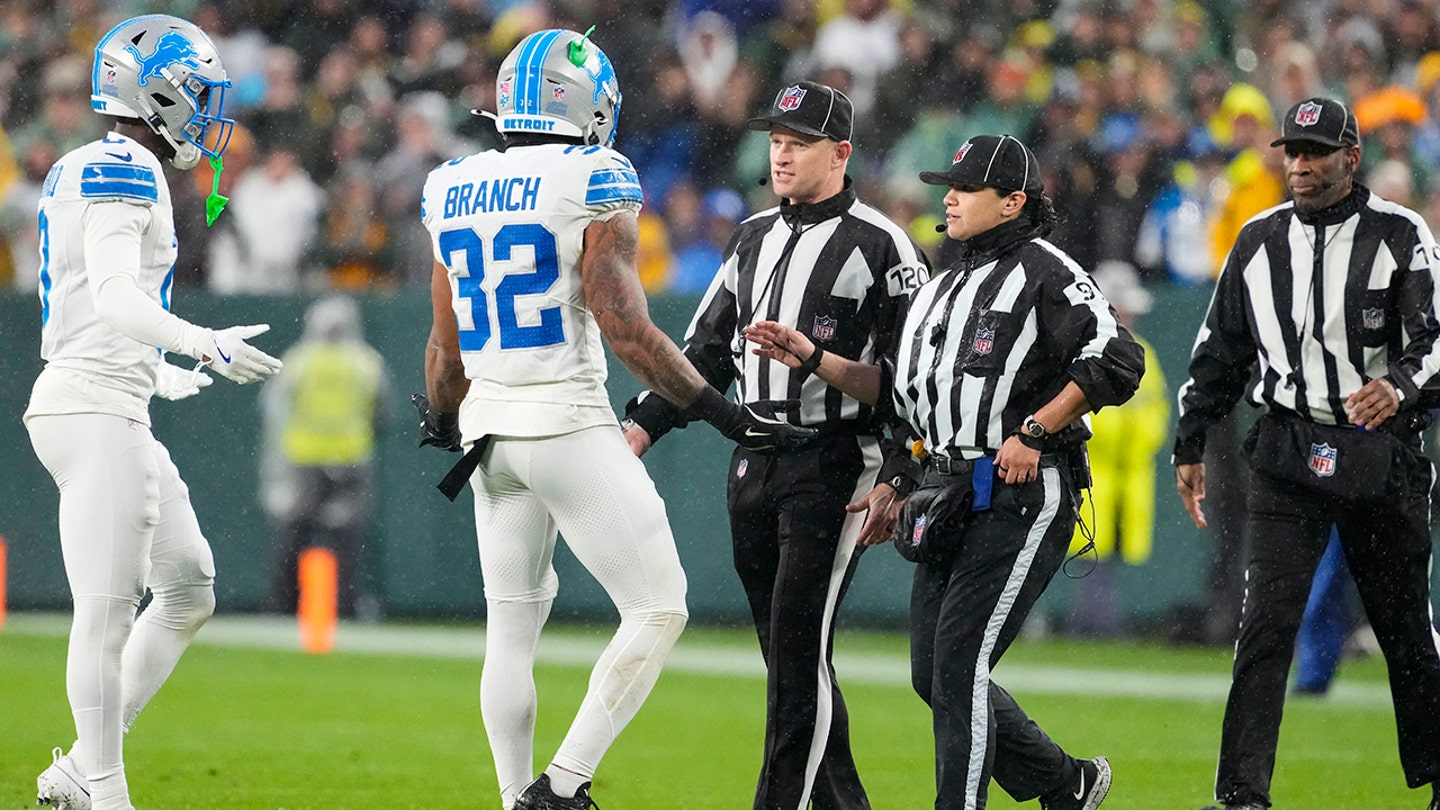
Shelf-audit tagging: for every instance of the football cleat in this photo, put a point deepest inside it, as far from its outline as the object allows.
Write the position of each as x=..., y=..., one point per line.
x=538, y=796
x=61, y=786
x=1244, y=806
x=1089, y=793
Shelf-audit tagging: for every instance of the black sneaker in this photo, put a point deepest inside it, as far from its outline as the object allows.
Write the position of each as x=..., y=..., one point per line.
x=1244, y=806
x=538, y=796
x=1089, y=793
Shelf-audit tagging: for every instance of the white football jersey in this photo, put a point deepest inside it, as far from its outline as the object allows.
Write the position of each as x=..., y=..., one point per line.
x=510, y=227
x=90, y=366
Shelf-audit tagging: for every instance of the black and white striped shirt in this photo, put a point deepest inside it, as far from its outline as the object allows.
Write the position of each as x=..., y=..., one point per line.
x=1309, y=308
x=998, y=335
x=838, y=270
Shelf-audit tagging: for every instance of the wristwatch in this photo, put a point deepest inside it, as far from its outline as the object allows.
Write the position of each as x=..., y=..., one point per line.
x=1031, y=433
x=902, y=484
x=627, y=423
x=1032, y=428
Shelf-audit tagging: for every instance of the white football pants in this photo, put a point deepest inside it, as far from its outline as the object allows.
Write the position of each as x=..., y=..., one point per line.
x=125, y=523
x=589, y=487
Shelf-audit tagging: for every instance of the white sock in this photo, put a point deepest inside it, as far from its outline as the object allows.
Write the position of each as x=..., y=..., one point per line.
x=92, y=682
x=507, y=690
x=619, y=684
x=161, y=634
x=564, y=783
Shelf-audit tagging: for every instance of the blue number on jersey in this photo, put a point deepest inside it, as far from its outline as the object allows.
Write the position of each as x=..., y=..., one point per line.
x=550, y=330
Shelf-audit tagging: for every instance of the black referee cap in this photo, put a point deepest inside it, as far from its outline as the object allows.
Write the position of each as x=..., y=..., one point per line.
x=994, y=161
x=1320, y=120
x=810, y=108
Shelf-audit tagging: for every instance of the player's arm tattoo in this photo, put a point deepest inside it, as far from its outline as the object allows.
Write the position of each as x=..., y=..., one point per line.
x=445, y=380
x=615, y=297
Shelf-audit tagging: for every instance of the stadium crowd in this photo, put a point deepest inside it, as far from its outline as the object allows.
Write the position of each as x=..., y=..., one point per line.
x=1152, y=118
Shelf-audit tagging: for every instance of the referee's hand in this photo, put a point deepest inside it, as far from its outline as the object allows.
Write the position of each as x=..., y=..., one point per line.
x=1375, y=402
x=1190, y=483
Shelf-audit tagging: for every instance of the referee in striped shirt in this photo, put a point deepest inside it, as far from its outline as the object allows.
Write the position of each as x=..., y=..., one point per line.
x=1326, y=315
x=1000, y=357
x=837, y=268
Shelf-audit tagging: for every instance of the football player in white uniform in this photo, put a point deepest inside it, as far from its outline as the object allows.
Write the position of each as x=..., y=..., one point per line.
x=107, y=251
x=534, y=262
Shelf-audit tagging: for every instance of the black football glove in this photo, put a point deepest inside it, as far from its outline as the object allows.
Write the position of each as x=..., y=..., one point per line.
x=754, y=426
x=437, y=429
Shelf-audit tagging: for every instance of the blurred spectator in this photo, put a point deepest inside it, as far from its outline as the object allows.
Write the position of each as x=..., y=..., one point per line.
x=1122, y=464
x=22, y=179
x=280, y=117
x=65, y=121
x=1253, y=183
x=422, y=142
x=1294, y=76
x=1131, y=179
x=429, y=60
x=269, y=224
x=709, y=51
x=911, y=78
x=699, y=258
x=317, y=479
x=353, y=246
x=1174, y=241
x=314, y=30
x=1387, y=119
x=865, y=41
x=780, y=49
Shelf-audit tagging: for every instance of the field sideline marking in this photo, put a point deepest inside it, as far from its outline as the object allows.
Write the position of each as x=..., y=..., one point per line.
x=577, y=648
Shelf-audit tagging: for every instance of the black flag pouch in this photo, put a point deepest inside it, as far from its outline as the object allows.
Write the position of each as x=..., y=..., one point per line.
x=933, y=519
x=1337, y=461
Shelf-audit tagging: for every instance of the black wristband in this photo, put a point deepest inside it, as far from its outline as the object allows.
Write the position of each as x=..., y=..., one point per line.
x=711, y=406
x=1032, y=442
x=811, y=363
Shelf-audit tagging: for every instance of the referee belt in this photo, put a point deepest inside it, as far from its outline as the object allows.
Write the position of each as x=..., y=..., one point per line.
x=944, y=465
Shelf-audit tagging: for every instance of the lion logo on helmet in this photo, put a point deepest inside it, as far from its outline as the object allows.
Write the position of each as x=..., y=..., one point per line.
x=170, y=49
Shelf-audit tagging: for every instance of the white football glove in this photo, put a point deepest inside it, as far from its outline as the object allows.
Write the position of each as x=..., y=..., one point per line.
x=174, y=382
x=237, y=360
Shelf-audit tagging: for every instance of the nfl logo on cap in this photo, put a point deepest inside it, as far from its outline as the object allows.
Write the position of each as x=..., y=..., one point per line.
x=959, y=156
x=1322, y=459
x=790, y=98
x=1308, y=114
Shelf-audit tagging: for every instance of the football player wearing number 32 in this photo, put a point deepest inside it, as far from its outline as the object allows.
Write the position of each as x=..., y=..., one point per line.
x=534, y=263
x=126, y=523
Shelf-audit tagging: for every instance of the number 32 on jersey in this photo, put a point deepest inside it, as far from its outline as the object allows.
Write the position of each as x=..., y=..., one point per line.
x=533, y=275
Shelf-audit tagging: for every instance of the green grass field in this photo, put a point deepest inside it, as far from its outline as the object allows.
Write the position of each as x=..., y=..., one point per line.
x=395, y=723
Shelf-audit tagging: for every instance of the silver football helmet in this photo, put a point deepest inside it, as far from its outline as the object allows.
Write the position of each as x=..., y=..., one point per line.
x=558, y=82
x=166, y=72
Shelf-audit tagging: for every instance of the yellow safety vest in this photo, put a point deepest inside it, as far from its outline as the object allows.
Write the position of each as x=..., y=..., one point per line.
x=330, y=413
x=1122, y=463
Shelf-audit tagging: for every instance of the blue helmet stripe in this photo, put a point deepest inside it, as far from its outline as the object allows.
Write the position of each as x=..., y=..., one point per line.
x=529, y=71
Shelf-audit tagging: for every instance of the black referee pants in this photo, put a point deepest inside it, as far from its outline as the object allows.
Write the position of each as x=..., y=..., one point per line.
x=1387, y=545
x=795, y=551
x=964, y=614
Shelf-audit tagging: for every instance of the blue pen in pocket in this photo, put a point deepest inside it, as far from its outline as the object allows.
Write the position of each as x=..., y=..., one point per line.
x=981, y=482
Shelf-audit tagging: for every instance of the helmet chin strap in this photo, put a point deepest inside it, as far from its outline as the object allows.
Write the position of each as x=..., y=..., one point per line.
x=187, y=155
